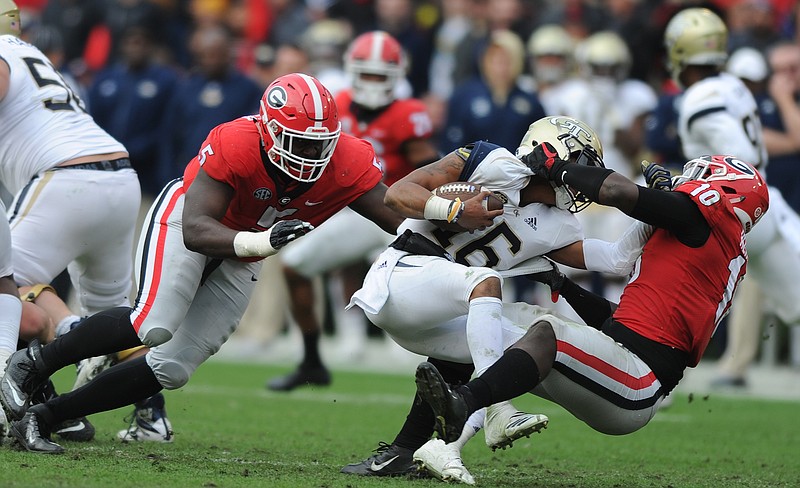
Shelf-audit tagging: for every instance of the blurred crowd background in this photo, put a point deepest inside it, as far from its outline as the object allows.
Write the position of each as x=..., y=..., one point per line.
x=159, y=74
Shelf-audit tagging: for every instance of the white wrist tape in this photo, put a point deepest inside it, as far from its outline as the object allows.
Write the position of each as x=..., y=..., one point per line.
x=438, y=208
x=253, y=244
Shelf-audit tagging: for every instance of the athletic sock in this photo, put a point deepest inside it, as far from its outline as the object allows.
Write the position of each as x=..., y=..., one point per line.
x=512, y=375
x=418, y=427
x=485, y=331
x=103, y=333
x=121, y=385
x=311, y=357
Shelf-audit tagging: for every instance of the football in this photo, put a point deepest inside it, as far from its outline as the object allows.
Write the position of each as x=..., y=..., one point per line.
x=464, y=190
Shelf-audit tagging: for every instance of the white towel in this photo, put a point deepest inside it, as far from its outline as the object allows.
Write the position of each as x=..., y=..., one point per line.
x=373, y=294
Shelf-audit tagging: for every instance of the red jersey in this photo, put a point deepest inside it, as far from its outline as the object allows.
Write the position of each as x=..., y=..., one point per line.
x=401, y=121
x=232, y=154
x=701, y=281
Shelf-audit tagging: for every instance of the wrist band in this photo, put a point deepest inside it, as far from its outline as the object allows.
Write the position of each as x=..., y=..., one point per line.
x=438, y=208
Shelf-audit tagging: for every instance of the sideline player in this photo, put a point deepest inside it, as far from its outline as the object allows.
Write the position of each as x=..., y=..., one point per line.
x=400, y=131
x=614, y=372
x=241, y=199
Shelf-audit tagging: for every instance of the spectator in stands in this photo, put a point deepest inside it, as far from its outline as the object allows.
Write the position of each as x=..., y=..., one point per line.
x=129, y=99
x=214, y=93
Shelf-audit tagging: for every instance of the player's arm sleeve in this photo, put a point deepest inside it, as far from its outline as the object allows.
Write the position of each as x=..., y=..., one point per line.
x=674, y=211
x=617, y=257
x=592, y=308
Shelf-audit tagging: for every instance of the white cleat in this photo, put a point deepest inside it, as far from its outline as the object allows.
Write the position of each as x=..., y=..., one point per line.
x=443, y=461
x=504, y=424
x=89, y=368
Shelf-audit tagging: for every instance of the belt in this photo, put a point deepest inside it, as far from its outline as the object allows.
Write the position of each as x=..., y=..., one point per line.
x=106, y=165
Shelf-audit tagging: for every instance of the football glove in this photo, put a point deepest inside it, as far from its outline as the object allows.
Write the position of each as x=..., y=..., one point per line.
x=553, y=278
x=656, y=176
x=544, y=162
x=267, y=243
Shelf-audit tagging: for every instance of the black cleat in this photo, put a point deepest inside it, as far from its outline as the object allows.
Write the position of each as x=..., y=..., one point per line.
x=448, y=405
x=22, y=378
x=302, y=376
x=388, y=460
x=33, y=434
x=75, y=430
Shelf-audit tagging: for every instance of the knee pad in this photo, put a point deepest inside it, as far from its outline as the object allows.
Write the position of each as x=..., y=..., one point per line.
x=154, y=336
x=171, y=374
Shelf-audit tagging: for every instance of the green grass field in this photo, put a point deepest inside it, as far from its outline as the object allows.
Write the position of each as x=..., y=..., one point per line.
x=231, y=432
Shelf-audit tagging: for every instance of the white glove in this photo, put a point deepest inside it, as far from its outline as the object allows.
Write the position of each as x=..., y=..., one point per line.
x=267, y=243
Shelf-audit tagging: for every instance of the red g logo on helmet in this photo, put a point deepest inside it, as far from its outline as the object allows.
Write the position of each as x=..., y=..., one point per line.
x=299, y=125
x=739, y=181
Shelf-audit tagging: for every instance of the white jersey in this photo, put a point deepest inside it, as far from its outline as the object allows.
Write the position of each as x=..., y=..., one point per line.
x=719, y=115
x=34, y=140
x=514, y=245
x=608, y=107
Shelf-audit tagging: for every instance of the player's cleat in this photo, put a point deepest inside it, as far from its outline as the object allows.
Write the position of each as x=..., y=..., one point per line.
x=302, y=376
x=32, y=434
x=75, y=430
x=148, y=422
x=443, y=461
x=449, y=407
x=504, y=424
x=21, y=379
x=89, y=368
x=388, y=460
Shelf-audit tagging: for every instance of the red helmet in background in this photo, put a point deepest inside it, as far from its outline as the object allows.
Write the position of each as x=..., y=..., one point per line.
x=740, y=183
x=299, y=125
x=375, y=63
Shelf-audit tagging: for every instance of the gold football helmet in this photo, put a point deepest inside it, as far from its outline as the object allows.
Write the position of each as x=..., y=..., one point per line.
x=604, y=54
x=695, y=36
x=550, y=40
x=9, y=18
x=574, y=141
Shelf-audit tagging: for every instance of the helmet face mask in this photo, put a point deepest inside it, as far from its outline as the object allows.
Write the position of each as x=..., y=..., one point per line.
x=299, y=126
x=9, y=18
x=375, y=63
x=574, y=141
x=695, y=36
x=736, y=180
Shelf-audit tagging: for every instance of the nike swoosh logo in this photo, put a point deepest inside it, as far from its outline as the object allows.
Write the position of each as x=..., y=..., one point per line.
x=72, y=428
x=377, y=467
x=19, y=401
x=253, y=278
x=311, y=204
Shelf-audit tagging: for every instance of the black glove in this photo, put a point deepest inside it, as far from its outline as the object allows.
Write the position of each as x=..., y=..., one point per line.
x=286, y=231
x=544, y=162
x=553, y=278
x=656, y=176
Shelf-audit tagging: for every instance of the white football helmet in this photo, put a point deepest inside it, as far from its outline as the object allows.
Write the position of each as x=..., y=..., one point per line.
x=574, y=141
x=695, y=36
x=605, y=55
x=299, y=126
x=9, y=18
x=738, y=181
x=554, y=42
x=375, y=62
